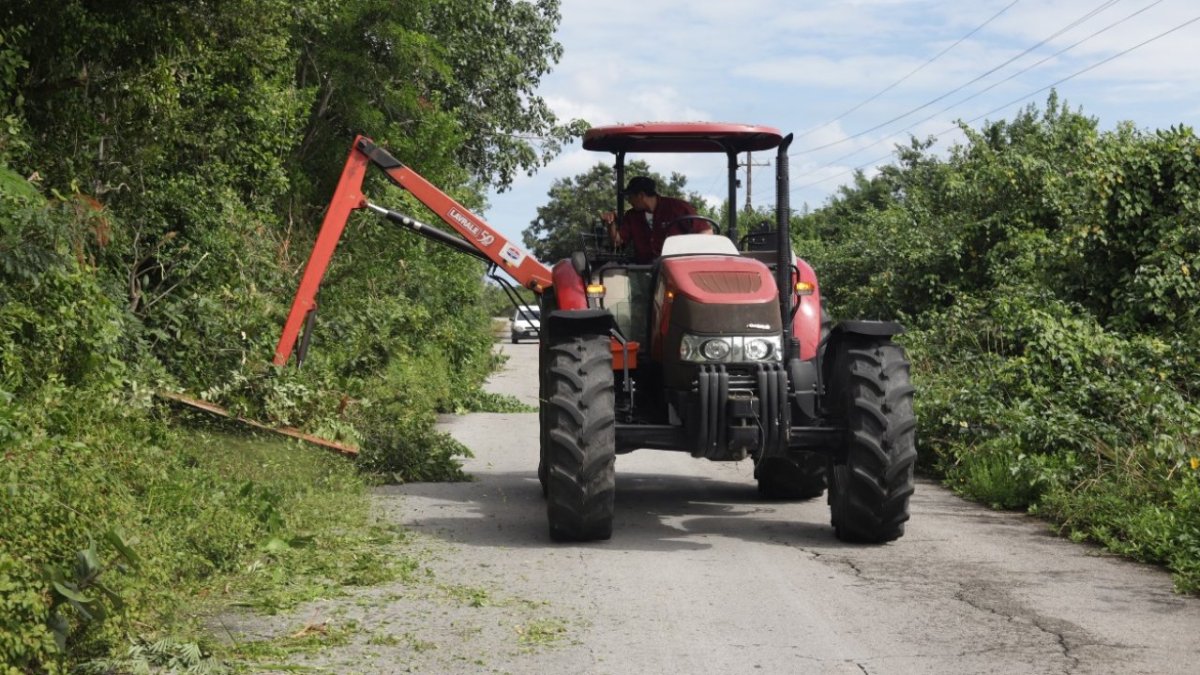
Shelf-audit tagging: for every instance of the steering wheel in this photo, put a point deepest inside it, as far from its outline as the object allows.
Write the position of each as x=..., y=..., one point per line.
x=603, y=250
x=716, y=227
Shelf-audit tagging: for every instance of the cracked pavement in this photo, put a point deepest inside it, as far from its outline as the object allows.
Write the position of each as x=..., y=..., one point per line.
x=702, y=577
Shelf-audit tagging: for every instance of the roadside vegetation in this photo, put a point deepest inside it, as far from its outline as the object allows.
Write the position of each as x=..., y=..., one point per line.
x=163, y=171
x=1047, y=274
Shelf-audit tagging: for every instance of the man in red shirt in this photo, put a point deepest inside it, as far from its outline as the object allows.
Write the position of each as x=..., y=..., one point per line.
x=650, y=219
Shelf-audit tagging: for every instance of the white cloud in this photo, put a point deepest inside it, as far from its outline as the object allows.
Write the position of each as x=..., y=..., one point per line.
x=797, y=65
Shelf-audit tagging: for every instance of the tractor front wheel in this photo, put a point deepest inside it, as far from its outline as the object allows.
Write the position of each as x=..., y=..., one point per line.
x=872, y=397
x=579, y=437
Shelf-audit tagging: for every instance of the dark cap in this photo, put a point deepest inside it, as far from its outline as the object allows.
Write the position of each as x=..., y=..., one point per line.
x=642, y=184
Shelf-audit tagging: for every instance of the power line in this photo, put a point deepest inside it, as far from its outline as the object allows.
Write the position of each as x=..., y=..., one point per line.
x=1103, y=6
x=1092, y=67
x=851, y=170
x=912, y=72
x=997, y=109
x=1024, y=70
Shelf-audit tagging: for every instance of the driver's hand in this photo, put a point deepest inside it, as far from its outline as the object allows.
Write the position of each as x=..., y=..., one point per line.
x=610, y=219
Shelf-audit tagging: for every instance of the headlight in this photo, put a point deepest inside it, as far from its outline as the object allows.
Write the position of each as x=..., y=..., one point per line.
x=730, y=349
x=715, y=349
x=757, y=349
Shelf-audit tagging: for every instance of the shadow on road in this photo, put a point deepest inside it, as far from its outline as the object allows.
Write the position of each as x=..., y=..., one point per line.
x=653, y=513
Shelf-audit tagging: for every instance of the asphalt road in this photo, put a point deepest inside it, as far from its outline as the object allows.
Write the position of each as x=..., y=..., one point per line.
x=702, y=577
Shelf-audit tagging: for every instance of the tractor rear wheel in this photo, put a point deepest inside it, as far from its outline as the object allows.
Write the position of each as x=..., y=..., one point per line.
x=872, y=397
x=579, y=451
x=787, y=478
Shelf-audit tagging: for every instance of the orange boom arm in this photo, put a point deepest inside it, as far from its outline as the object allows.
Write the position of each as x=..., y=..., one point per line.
x=478, y=238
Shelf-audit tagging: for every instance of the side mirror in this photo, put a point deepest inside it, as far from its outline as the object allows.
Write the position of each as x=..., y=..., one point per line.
x=579, y=261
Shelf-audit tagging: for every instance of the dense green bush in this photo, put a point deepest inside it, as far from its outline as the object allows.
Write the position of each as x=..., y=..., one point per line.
x=1045, y=271
x=163, y=171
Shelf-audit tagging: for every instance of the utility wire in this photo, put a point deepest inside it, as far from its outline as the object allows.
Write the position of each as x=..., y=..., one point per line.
x=1103, y=6
x=1090, y=68
x=912, y=72
x=851, y=170
x=1024, y=70
x=997, y=109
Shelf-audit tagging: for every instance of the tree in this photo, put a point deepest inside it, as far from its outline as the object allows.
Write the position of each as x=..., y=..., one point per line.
x=448, y=85
x=575, y=204
x=163, y=166
x=499, y=50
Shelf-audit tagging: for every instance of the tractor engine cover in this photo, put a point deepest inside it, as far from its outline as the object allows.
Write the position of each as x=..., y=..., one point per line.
x=710, y=295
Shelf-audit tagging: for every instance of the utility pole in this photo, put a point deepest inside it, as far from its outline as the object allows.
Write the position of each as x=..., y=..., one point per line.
x=750, y=164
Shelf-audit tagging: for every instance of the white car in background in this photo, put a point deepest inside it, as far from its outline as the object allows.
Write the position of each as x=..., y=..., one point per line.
x=525, y=323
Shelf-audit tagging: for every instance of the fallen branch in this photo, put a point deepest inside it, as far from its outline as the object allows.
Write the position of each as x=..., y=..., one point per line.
x=342, y=448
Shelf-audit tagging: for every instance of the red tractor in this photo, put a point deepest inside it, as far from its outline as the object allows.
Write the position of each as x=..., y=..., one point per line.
x=719, y=348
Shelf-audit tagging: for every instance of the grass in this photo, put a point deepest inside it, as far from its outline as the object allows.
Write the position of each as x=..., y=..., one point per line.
x=541, y=632
x=211, y=517
x=486, y=401
x=469, y=595
x=317, y=537
x=308, y=639
x=326, y=543
x=1132, y=500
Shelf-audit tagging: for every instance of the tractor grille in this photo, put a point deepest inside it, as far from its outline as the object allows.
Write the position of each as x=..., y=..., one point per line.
x=742, y=379
x=727, y=282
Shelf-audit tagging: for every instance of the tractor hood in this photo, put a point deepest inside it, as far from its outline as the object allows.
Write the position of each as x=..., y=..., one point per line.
x=719, y=279
x=710, y=295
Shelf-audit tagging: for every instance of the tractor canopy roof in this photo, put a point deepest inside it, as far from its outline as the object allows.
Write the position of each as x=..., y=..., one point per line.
x=681, y=137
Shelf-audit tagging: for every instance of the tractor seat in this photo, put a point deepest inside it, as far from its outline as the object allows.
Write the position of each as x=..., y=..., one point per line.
x=698, y=244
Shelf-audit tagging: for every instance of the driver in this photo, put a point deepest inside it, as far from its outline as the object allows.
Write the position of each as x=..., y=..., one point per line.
x=650, y=219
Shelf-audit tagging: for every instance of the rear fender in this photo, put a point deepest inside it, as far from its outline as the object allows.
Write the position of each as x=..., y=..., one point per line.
x=563, y=323
x=565, y=313
x=866, y=328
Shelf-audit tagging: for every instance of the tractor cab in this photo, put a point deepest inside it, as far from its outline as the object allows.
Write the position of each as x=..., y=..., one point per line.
x=684, y=137
x=628, y=286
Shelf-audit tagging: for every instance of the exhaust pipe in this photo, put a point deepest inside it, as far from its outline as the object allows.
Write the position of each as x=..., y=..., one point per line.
x=783, y=261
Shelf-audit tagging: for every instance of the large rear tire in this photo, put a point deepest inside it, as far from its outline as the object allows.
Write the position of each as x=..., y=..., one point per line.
x=579, y=453
x=783, y=478
x=872, y=397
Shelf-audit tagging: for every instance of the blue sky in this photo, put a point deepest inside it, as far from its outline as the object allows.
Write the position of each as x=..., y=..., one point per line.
x=798, y=65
